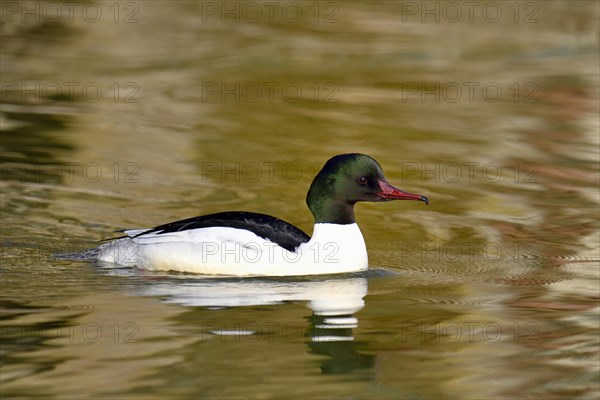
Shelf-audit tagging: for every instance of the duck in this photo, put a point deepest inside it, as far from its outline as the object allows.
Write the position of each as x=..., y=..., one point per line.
x=242, y=243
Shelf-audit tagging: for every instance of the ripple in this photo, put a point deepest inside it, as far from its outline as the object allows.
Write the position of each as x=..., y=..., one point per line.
x=573, y=259
x=456, y=302
x=526, y=281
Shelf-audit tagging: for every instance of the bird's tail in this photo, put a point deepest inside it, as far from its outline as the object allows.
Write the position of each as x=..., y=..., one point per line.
x=90, y=254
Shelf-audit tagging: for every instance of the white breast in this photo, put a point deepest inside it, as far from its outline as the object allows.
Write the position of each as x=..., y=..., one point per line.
x=335, y=248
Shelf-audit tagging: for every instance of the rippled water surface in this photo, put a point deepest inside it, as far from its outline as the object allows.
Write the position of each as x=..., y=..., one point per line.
x=153, y=111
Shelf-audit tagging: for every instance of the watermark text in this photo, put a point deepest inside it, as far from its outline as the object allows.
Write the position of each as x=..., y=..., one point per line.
x=125, y=12
x=92, y=332
x=90, y=172
x=52, y=92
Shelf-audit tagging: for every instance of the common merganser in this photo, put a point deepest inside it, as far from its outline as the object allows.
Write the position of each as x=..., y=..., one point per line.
x=244, y=243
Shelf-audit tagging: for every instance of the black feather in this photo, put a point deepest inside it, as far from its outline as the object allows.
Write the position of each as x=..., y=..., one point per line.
x=274, y=229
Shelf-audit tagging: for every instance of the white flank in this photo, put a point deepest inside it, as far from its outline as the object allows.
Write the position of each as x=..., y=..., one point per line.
x=333, y=248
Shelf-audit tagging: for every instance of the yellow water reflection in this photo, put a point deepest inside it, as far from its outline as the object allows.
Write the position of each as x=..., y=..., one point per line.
x=155, y=111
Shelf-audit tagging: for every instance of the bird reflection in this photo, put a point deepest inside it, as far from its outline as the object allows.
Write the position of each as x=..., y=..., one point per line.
x=332, y=336
x=333, y=302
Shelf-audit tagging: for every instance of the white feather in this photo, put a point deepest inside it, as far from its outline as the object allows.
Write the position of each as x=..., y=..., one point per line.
x=333, y=248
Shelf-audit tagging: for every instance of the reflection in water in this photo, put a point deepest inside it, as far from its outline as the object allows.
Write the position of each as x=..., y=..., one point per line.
x=20, y=340
x=39, y=160
x=334, y=296
x=333, y=302
x=333, y=337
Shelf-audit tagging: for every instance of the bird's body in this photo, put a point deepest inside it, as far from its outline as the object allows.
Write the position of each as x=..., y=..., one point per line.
x=243, y=243
x=217, y=250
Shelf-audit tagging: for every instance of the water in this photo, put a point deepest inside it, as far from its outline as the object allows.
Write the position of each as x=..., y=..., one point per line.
x=156, y=111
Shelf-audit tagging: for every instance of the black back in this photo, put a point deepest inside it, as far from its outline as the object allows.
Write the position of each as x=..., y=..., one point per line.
x=277, y=231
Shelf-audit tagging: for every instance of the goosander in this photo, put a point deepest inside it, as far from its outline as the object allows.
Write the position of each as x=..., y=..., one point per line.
x=245, y=243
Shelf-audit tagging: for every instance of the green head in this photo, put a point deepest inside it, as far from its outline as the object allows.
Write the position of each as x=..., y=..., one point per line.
x=345, y=180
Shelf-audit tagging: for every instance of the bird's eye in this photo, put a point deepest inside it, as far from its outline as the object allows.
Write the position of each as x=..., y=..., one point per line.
x=363, y=180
